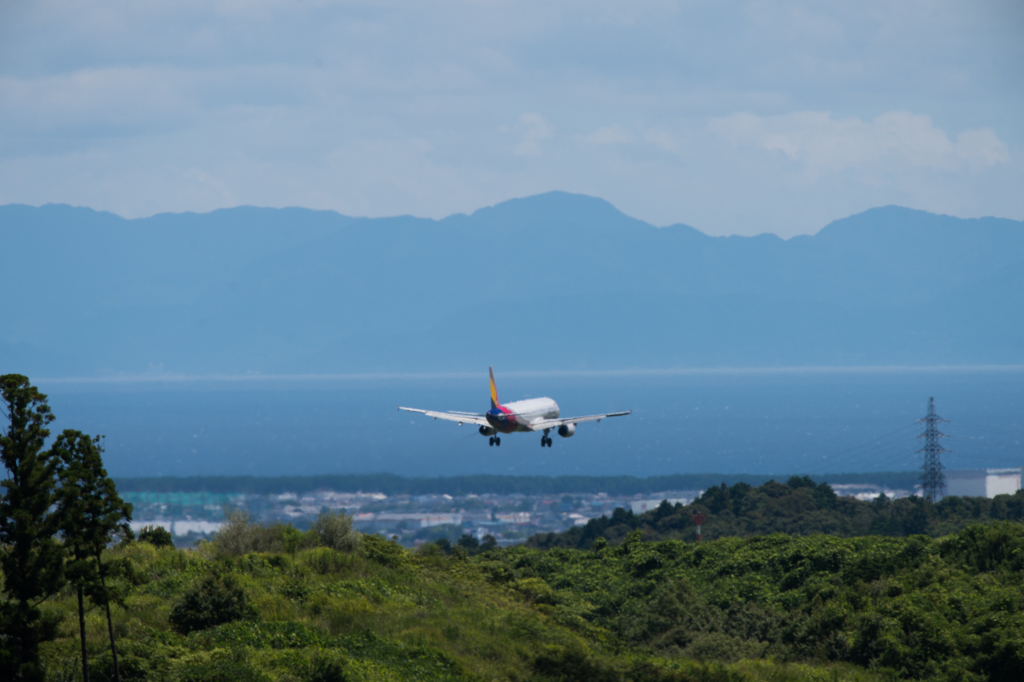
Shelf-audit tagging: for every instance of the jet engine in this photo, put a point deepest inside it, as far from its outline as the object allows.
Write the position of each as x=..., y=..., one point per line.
x=566, y=430
x=487, y=431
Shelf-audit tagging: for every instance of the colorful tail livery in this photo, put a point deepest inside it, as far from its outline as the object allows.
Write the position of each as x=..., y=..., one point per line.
x=535, y=414
x=494, y=390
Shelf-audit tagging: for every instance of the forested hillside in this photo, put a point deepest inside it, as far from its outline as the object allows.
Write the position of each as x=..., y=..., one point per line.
x=730, y=610
x=798, y=507
x=931, y=609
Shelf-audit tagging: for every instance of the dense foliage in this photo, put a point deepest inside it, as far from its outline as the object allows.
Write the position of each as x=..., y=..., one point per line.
x=945, y=609
x=378, y=612
x=798, y=507
x=158, y=536
x=391, y=484
x=241, y=535
x=216, y=600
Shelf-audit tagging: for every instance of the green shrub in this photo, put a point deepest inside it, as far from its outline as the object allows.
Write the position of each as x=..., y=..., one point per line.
x=216, y=600
x=132, y=667
x=716, y=646
x=535, y=590
x=240, y=535
x=291, y=538
x=383, y=551
x=334, y=529
x=158, y=536
x=429, y=549
x=232, y=667
x=987, y=547
x=573, y=664
x=324, y=560
x=272, y=635
x=326, y=670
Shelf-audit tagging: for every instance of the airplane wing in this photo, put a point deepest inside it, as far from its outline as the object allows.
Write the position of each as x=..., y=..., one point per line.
x=460, y=417
x=555, y=423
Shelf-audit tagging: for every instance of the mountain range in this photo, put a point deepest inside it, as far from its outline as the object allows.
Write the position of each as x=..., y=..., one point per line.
x=554, y=281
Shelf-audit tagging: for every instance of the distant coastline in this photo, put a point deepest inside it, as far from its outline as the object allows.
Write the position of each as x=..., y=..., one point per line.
x=393, y=484
x=597, y=373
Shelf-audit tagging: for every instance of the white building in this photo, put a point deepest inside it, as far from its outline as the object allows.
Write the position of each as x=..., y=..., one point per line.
x=424, y=520
x=983, y=482
x=641, y=506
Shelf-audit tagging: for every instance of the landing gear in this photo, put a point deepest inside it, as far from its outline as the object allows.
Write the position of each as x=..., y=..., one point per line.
x=494, y=441
x=544, y=440
x=491, y=441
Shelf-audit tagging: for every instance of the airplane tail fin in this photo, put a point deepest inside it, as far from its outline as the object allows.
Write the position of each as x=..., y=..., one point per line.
x=494, y=390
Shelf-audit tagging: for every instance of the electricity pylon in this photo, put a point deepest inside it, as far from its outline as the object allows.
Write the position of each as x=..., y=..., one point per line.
x=933, y=483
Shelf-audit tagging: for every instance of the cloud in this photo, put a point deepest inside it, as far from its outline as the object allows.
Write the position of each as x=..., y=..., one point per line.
x=532, y=130
x=614, y=134
x=431, y=109
x=664, y=140
x=980, y=148
x=822, y=145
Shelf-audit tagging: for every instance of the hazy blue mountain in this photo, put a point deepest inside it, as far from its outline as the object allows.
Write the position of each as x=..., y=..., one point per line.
x=547, y=282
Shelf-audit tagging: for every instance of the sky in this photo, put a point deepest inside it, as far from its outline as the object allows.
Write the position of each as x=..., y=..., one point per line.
x=732, y=117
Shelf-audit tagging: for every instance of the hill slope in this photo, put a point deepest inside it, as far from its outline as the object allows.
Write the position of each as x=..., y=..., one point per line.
x=546, y=282
x=764, y=608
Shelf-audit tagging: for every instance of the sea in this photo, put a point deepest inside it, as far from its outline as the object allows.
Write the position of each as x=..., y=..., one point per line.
x=778, y=421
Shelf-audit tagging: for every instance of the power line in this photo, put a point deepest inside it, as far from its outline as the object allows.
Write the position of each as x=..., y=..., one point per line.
x=988, y=444
x=990, y=428
x=884, y=453
x=877, y=441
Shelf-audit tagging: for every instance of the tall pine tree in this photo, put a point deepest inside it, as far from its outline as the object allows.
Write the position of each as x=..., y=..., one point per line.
x=31, y=557
x=91, y=514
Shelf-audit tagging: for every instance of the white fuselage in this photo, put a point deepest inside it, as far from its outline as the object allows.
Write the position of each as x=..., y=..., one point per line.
x=518, y=415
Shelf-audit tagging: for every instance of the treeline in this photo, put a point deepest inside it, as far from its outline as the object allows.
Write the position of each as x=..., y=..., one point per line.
x=798, y=507
x=240, y=610
x=391, y=484
x=58, y=513
x=949, y=609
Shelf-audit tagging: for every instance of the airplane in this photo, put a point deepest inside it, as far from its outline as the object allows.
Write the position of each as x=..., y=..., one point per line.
x=536, y=414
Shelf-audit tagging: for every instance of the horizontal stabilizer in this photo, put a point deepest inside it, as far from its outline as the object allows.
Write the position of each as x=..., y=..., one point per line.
x=555, y=423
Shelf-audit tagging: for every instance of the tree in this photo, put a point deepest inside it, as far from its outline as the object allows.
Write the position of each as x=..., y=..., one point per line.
x=217, y=599
x=334, y=529
x=91, y=514
x=31, y=558
x=468, y=542
x=158, y=536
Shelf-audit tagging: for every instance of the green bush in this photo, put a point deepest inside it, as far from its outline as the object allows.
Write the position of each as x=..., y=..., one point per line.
x=232, y=667
x=216, y=600
x=383, y=551
x=273, y=635
x=573, y=664
x=158, y=536
x=716, y=646
x=333, y=529
x=326, y=670
x=240, y=535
